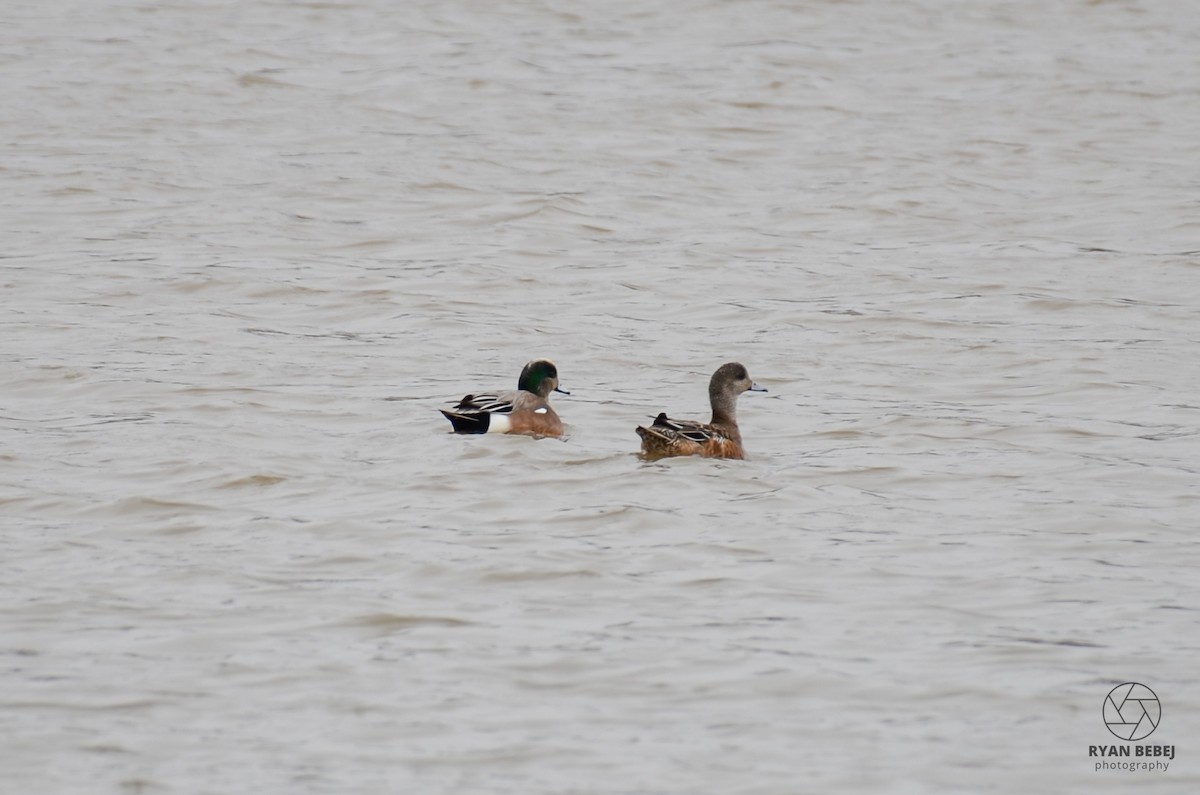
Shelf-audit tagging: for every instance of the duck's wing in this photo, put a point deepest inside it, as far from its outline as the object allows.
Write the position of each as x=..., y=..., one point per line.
x=490, y=402
x=668, y=437
x=682, y=430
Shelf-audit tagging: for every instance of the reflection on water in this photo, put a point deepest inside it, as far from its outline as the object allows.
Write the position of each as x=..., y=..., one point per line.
x=250, y=250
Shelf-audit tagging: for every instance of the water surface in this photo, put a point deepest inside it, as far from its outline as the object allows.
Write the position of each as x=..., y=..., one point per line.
x=250, y=248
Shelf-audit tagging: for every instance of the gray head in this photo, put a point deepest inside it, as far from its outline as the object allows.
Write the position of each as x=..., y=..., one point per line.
x=729, y=381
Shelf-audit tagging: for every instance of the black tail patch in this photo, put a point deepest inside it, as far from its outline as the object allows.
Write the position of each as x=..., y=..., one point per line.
x=468, y=422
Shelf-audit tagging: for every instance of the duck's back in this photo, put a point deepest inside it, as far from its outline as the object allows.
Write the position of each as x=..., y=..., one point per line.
x=667, y=437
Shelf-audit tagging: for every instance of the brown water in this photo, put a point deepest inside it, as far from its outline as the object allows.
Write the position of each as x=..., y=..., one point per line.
x=250, y=248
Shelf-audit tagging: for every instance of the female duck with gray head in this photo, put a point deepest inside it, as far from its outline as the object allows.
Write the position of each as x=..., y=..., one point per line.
x=719, y=438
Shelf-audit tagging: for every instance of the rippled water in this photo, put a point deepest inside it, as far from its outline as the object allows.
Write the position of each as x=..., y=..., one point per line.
x=250, y=248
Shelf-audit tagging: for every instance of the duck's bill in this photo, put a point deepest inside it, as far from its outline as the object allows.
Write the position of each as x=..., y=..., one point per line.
x=756, y=388
x=560, y=389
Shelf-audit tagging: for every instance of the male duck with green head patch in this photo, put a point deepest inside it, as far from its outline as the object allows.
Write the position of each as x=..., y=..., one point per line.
x=527, y=410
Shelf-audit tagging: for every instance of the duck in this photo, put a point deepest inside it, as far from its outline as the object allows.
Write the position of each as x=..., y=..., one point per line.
x=719, y=438
x=526, y=410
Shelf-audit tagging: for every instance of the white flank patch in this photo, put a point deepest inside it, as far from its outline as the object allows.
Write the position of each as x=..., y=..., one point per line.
x=499, y=423
x=542, y=410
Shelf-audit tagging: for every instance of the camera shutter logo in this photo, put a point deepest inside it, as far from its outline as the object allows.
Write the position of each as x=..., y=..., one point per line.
x=1132, y=711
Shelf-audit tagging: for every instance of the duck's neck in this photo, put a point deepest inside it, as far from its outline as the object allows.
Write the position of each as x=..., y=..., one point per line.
x=724, y=408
